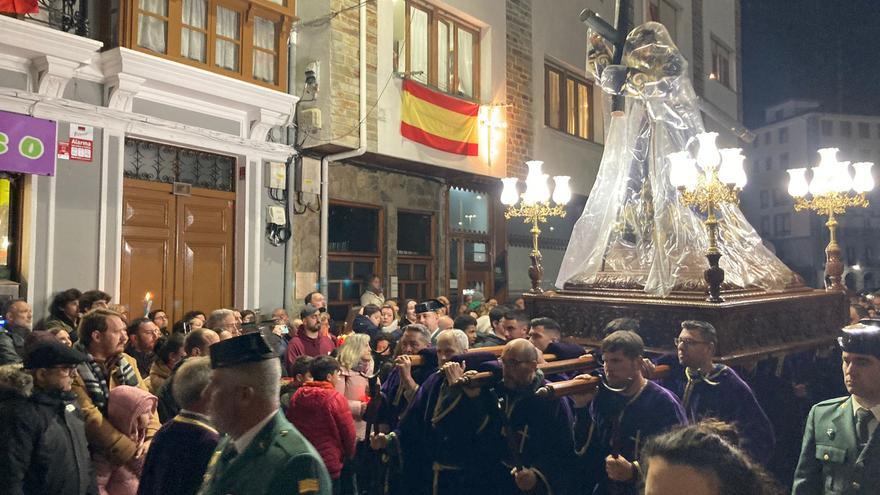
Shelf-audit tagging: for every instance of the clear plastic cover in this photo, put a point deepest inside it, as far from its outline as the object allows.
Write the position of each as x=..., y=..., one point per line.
x=634, y=232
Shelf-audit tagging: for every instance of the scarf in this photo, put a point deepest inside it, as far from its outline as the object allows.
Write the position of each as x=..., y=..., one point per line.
x=95, y=378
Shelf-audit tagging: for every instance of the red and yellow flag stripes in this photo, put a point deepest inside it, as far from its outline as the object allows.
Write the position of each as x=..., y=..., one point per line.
x=438, y=120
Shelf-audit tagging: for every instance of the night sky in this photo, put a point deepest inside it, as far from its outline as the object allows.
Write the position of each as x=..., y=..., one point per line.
x=825, y=50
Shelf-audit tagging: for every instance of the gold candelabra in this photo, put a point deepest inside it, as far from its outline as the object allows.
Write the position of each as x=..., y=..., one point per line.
x=831, y=192
x=535, y=208
x=720, y=182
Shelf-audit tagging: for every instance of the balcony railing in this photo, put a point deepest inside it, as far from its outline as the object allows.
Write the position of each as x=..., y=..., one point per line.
x=71, y=16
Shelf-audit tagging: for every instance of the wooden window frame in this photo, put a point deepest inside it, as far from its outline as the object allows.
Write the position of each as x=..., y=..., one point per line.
x=281, y=15
x=428, y=260
x=565, y=76
x=435, y=16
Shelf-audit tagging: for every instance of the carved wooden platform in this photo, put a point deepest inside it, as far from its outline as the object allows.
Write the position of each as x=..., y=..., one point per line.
x=751, y=324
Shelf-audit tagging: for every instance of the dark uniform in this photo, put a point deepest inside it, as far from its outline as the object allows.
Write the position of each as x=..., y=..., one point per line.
x=279, y=460
x=838, y=456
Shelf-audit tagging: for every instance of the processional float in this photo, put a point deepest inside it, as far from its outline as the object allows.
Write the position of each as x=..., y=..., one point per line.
x=662, y=229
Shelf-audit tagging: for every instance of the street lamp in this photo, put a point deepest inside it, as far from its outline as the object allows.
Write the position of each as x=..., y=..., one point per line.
x=831, y=192
x=534, y=207
x=713, y=178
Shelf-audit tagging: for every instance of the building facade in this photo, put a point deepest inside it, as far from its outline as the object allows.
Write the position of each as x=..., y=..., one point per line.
x=163, y=112
x=213, y=123
x=793, y=133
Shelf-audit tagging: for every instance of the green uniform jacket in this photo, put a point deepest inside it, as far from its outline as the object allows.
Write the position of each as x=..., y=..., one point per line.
x=278, y=461
x=830, y=461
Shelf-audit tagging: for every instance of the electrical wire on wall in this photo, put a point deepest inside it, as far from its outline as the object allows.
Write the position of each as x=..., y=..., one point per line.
x=278, y=229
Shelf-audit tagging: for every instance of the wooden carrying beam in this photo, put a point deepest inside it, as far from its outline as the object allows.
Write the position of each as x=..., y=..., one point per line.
x=586, y=384
x=417, y=360
x=562, y=366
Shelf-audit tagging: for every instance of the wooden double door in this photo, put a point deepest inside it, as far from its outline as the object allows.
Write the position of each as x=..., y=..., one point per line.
x=179, y=248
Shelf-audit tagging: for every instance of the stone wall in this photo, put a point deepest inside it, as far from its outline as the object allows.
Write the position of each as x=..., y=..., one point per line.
x=345, y=74
x=520, y=133
x=391, y=191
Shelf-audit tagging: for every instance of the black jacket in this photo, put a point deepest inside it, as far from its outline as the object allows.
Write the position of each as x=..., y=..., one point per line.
x=8, y=354
x=43, y=448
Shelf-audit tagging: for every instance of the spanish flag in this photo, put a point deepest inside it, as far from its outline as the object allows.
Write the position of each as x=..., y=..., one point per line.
x=438, y=120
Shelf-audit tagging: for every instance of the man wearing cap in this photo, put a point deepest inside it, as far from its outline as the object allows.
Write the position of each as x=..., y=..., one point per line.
x=841, y=449
x=428, y=313
x=308, y=340
x=44, y=447
x=262, y=452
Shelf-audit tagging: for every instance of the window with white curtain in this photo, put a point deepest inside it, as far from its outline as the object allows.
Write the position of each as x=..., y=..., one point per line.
x=194, y=30
x=265, y=52
x=244, y=39
x=227, y=48
x=153, y=25
x=443, y=49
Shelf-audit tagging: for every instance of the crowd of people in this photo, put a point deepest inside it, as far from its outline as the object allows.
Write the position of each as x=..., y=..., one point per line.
x=421, y=397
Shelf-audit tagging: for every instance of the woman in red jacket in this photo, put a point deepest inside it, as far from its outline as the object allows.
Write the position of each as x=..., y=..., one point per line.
x=322, y=415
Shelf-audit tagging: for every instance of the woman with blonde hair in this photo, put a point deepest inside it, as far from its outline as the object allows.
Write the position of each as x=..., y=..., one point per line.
x=356, y=360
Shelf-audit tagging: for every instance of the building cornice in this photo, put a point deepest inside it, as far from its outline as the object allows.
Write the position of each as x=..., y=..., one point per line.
x=30, y=40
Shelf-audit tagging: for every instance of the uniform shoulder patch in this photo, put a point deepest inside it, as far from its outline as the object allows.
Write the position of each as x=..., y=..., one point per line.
x=309, y=485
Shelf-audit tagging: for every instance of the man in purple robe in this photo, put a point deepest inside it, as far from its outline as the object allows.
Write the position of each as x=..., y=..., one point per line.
x=709, y=390
x=624, y=412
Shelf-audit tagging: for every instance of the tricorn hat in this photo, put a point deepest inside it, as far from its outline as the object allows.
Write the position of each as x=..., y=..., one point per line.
x=861, y=338
x=428, y=306
x=249, y=348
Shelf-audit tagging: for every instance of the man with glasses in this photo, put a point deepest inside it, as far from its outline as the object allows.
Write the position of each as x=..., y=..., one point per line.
x=534, y=436
x=841, y=448
x=44, y=447
x=223, y=321
x=709, y=390
x=143, y=334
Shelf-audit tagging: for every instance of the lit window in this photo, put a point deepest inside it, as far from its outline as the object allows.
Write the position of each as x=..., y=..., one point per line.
x=568, y=102
x=721, y=56
x=437, y=48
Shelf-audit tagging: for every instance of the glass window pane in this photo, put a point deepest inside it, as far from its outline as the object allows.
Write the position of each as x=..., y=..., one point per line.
x=228, y=26
x=159, y=7
x=420, y=272
x=570, y=107
x=403, y=271
x=443, y=56
x=195, y=13
x=413, y=234
x=363, y=269
x=465, y=63
x=411, y=291
x=453, y=263
x=152, y=33
x=583, y=111
x=354, y=229
x=418, y=34
x=338, y=270
x=264, y=33
x=5, y=190
x=468, y=211
x=334, y=291
x=552, y=90
x=192, y=44
x=264, y=62
x=351, y=290
x=476, y=252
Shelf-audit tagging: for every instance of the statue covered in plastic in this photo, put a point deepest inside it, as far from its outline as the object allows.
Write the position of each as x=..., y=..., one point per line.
x=633, y=232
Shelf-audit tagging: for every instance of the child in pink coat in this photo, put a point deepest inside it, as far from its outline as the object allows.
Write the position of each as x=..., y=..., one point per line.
x=129, y=410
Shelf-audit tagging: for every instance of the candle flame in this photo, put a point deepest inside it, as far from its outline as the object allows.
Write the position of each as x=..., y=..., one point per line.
x=148, y=296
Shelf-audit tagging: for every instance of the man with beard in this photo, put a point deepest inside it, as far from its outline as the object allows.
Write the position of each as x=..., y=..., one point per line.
x=625, y=413
x=262, y=452
x=309, y=340
x=44, y=447
x=142, y=337
x=709, y=390
x=19, y=318
x=102, y=335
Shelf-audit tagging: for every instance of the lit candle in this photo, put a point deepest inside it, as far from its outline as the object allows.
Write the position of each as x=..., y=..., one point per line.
x=148, y=304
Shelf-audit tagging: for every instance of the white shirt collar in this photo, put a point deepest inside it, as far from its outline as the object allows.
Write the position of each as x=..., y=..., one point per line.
x=858, y=405
x=242, y=442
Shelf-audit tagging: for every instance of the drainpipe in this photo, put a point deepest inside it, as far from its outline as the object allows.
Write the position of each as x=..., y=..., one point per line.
x=325, y=161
